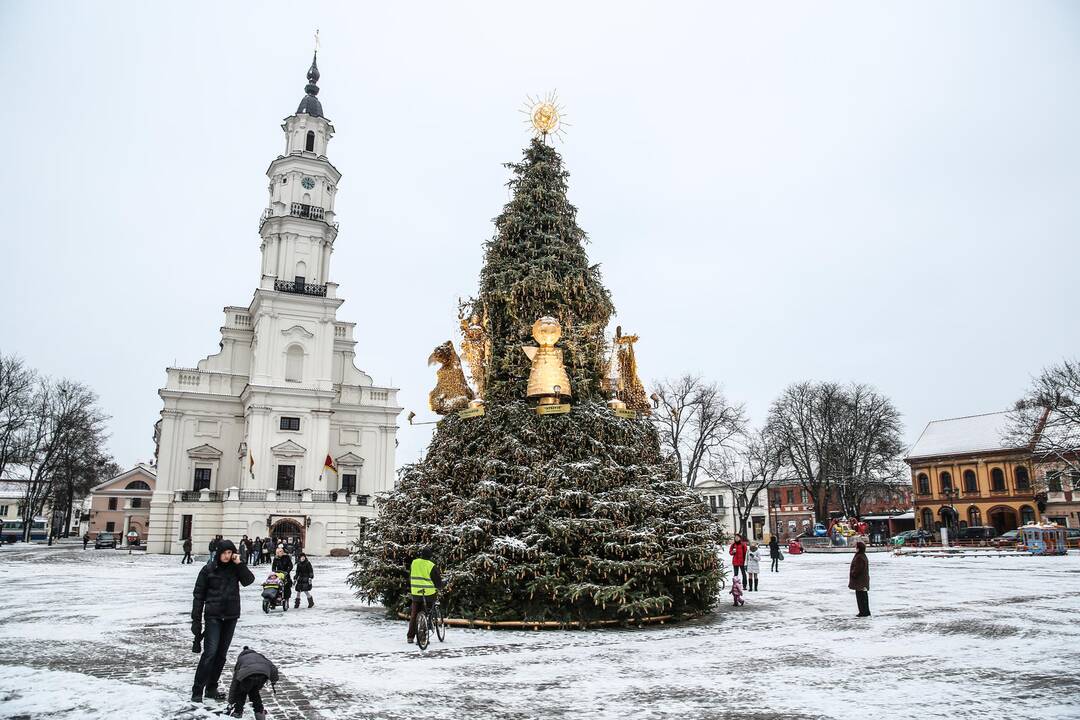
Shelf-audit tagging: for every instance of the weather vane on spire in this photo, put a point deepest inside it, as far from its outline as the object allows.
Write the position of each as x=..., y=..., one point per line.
x=316, y=41
x=545, y=115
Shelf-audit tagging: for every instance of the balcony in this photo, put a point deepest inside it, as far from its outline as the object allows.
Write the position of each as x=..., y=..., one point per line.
x=308, y=212
x=290, y=286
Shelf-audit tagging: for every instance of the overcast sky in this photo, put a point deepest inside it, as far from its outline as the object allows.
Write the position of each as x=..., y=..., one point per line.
x=880, y=192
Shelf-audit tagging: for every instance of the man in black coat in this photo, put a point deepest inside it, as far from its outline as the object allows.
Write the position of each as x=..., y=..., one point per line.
x=187, y=552
x=214, y=610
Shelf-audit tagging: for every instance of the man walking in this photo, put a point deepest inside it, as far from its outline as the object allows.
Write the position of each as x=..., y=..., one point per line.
x=187, y=552
x=215, y=609
x=85, y=539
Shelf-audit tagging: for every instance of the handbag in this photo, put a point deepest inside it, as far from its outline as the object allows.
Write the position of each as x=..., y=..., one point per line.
x=781, y=556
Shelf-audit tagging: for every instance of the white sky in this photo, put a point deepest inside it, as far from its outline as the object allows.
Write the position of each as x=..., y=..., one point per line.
x=882, y=192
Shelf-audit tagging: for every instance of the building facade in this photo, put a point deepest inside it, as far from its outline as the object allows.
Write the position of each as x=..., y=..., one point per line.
x=725, y=506
x=121, y=505
x=792, y=510
x=1061, y=483
x=965, y=472
x=279, y=433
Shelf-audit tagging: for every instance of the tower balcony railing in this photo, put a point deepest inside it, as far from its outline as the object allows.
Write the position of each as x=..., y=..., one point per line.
x=290, y=286
x=309, y=212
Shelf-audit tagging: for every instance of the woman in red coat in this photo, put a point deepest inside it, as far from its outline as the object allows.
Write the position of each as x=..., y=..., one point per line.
x=738, y=556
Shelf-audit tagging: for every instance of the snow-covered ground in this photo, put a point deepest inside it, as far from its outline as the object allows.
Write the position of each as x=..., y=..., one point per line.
x=105, y=634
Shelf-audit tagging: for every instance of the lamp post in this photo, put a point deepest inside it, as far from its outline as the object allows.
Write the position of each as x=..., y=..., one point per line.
x=951, y=494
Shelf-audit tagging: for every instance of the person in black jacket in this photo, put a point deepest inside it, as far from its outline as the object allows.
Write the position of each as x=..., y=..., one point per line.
x=187, y=552
x=250, y=674
x=214, y=610
x=304, y=575
x=283, y=564
x=774, y=554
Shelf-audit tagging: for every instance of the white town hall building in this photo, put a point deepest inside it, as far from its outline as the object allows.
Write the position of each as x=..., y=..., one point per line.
x=244, y=436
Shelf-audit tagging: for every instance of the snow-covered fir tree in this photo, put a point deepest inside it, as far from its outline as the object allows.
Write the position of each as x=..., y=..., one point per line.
x=572, y=518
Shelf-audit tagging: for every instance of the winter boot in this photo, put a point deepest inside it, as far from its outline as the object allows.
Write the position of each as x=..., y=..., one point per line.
x=213, y=693
x=756, y=583
x=297, y=602
x=310, y=602
x=260, y=716
x=196, y=694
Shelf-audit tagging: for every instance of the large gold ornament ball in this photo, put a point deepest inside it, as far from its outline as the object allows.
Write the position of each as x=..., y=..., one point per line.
x=546, y=330
x=545, y=117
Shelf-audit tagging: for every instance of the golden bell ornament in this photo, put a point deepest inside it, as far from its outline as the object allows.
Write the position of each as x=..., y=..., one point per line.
x=548, y=380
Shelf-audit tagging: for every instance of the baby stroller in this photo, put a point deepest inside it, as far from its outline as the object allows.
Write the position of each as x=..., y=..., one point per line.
x=273, y=593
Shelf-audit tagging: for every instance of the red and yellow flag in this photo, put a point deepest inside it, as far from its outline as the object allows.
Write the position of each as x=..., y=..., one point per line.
x=329, y=463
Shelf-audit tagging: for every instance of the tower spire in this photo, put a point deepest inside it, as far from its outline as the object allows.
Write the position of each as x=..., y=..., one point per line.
x=310, y=104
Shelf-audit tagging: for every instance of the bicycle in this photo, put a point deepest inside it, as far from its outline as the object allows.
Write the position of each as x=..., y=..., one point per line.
x=428, y=620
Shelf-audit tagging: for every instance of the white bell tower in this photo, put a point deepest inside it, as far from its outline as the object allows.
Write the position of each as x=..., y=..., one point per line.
x=298, y=227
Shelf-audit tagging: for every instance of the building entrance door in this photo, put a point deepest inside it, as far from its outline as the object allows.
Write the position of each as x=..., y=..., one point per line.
x=1003, y=518
x=288, y=532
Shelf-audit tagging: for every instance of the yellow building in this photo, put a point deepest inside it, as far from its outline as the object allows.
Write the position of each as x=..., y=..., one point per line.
x=964, y=472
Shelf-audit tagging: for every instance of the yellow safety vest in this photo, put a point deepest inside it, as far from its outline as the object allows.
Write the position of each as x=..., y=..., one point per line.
x=420, y=572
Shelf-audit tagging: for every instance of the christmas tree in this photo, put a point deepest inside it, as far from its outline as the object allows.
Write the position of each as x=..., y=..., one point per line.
x=573, y=517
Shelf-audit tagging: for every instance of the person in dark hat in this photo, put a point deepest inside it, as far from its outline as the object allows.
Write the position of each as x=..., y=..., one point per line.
x=215, y=609
x=859, y=579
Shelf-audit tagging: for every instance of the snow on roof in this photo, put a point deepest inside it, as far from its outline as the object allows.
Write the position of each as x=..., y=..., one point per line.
x=10, y=488
x=971, y=434
x=1059, y=433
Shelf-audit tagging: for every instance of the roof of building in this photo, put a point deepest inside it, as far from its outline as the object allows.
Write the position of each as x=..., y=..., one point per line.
x=1060, y=433
x=139, y=469
x=963, y=435
x=310, y=104
x=11, y=488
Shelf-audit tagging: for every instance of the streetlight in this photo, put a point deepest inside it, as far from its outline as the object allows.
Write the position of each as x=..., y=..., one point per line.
x=951, y=494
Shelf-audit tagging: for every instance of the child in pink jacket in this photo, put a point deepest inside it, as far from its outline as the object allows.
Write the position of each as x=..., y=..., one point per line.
x=736, y=591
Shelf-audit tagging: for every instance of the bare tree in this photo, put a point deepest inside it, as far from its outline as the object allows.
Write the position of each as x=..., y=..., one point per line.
x=16, y=395
x=868, y=447
x=837, y=439
x=748, y=471
x=695, y=422
x=1048, y=416
x=64, y=419
x=804, y=420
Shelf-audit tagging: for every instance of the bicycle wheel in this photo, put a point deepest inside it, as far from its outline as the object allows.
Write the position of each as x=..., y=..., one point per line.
x=422, y=638
x=440, y=623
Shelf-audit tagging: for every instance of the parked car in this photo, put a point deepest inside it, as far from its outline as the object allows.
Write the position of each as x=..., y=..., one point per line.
x=1006, y=539
x=977, y=534
x=912, y=537
x=105, y=540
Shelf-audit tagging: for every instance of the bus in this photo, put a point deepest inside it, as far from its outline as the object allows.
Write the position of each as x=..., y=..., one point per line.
x=12, y=531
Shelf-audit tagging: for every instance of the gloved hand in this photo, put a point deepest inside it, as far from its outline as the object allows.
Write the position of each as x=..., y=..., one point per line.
x=196, y=628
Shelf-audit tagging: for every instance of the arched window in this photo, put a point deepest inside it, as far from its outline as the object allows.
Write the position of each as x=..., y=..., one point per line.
x=974, y=516
x=309, y=144
x=294, y=364
x=971, y=483
x=928, y=519
x=997, y=480
x=301, y=275
x=1023, y=481
x=1027, y=515
x=137, y=485
x=923, y=483
x=946, y=481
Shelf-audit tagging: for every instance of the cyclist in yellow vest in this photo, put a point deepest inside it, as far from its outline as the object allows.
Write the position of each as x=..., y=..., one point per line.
x=424, y=583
